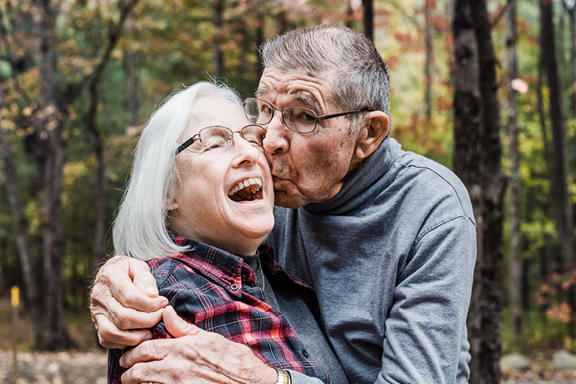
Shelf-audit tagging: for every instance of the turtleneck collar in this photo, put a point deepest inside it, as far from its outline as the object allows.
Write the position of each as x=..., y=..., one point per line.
x=357, y=191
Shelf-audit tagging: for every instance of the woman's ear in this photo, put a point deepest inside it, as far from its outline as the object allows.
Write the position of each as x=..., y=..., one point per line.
x=372, y=134
x=171, y=203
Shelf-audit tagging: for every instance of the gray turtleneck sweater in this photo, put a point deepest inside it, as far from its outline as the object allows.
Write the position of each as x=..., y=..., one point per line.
x=391, y=258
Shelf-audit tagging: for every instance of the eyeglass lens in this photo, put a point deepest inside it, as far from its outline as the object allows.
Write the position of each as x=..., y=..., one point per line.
x=220, y=137
x=215, y=137
x=298, y=119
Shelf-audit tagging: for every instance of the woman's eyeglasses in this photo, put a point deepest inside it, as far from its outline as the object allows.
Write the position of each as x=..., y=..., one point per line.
x=217, y=136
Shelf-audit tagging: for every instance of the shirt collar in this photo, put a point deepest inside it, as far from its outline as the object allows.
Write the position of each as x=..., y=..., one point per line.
x=226, y=268
x=357, y=190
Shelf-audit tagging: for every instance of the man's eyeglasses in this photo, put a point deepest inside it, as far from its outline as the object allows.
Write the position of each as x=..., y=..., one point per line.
x=295, y=118
x=217, y=136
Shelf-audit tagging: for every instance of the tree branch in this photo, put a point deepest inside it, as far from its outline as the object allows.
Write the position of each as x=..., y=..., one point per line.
x=499, y=16
x=113, y=37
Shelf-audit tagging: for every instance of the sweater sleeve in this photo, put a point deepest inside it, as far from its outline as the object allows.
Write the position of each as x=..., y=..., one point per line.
x=426, y=339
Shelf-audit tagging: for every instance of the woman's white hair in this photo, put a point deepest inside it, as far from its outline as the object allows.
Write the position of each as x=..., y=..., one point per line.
x=140, y=226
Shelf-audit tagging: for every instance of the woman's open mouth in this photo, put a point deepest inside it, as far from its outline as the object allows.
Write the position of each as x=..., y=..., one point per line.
x=247, y=190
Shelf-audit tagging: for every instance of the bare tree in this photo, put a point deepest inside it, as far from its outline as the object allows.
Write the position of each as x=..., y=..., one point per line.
x=20, y=226
x=349, y=15
x=16, y=210
x=218, y=59
x=49, y=147
x=572, y=66
x=99, y=140
x=515, y=269
x=49, y=126
x=131, y=69
x=559, y=170
x=477, y=157
x=368, y=19
x=429, y=7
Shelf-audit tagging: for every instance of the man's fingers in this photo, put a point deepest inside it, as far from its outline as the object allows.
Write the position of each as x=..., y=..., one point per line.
x=143, y=279
x=109, y=336
x=176, y=326
x=130, y=319
x=150, y=350
x=124, y=318
x=122, y=284
x=143, y=373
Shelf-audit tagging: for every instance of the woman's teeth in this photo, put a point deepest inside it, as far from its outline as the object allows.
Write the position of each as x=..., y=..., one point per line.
x=250, y=185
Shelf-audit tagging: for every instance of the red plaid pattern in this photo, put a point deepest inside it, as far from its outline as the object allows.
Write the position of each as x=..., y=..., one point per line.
x=215, y=290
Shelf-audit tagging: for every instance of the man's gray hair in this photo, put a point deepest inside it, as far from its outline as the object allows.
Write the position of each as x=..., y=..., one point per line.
x=140, y=226
x=361, y=76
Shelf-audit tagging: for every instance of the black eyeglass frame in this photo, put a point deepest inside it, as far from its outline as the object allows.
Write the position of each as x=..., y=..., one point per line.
x=197, y=137
x=312, y=114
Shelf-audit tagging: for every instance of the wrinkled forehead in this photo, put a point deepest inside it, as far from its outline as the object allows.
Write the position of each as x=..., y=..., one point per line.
x=296, y=87
x=213, y=110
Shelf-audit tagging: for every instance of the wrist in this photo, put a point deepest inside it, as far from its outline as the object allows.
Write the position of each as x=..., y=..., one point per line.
x=283, y=377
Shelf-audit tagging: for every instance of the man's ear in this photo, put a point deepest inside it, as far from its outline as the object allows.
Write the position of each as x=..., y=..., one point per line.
x=372, y=134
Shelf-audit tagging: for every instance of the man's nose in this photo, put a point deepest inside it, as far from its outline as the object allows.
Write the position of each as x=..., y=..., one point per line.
x=277, y=140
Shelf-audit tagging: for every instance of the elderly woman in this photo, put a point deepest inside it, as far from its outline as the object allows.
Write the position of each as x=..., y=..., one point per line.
x=198, y=206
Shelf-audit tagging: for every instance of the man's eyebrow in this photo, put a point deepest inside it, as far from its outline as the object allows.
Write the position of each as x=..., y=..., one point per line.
x=261, y=91
x=307, y=99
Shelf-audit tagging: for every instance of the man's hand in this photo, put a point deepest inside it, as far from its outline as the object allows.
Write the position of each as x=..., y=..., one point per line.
x=124, y=302
x=194, y=356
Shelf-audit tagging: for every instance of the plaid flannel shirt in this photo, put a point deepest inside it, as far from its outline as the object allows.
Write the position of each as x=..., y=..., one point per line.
x=216, y=291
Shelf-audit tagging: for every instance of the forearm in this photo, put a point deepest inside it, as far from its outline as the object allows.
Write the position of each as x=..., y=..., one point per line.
x=425, y=331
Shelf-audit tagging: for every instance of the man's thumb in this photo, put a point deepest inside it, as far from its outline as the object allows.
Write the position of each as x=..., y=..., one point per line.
x=176, y=326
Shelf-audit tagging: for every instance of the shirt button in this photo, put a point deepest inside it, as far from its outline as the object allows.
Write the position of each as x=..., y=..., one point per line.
x=234, y=287
x=305, y=353
x=245, y=274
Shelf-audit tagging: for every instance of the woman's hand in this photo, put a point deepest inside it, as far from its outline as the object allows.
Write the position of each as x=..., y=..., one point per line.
x=194, y=356
x=124, y=302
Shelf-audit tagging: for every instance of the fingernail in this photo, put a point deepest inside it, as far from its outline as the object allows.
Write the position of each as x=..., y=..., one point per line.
x=147, y=337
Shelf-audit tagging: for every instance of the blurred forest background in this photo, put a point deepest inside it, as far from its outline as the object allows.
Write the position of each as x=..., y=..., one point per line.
x=487, y=88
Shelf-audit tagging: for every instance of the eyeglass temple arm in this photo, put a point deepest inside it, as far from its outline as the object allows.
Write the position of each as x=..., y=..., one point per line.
x=186, y=144
x=342, y=114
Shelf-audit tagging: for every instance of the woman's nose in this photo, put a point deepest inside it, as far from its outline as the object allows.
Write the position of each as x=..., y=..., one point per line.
x=246, y=153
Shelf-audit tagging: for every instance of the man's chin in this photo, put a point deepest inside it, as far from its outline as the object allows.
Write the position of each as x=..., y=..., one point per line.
x=283, y=199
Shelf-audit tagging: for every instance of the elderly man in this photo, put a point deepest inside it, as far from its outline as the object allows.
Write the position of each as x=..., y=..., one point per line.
x=385, y=237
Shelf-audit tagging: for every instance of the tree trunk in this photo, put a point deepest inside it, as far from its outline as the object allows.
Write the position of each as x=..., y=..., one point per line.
x=560, y=195
x=131, y=69
x=572, y=62
x=477, y=161
x=368, y=19
x=282, y=20
x=19, y=224
x=99, y=253
x=573, y=59
x=218, y=59
x=515, y=181
x=429, y=7
x=559, y=32
x=493, y=189
x=51, y=335
x=525, y=290
x=467, y=147
x=349, y=15
x=16, y=211
x=259, y=40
